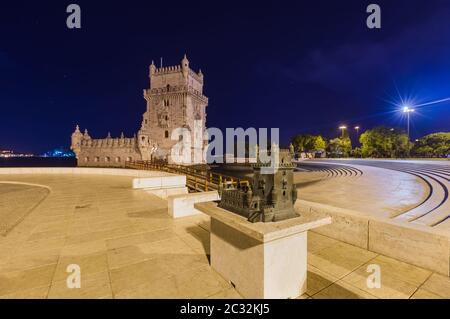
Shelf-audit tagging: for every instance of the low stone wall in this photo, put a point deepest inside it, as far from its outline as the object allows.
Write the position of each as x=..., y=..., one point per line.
x=81, y=170
x=418, y=245
x=162, y=186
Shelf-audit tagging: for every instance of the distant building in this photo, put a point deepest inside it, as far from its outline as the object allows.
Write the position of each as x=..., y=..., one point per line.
x=9, y=153
x=6, y=153
x=174, y=100
x=59, y=152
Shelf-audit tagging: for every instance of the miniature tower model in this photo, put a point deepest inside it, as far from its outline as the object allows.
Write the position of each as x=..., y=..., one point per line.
x=270, y=197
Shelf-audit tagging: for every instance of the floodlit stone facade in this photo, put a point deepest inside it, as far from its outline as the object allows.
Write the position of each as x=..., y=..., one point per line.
x=174, y=100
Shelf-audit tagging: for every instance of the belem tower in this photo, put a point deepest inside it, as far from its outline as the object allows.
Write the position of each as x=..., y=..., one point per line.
x=174, y=100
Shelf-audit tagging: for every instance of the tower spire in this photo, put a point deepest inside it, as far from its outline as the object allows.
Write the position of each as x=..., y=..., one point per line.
x=185, y=66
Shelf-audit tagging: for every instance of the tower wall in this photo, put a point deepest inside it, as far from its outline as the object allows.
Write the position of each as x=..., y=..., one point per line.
x=108, y=152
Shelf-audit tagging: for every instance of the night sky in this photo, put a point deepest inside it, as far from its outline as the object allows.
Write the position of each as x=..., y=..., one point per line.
x=302, y=66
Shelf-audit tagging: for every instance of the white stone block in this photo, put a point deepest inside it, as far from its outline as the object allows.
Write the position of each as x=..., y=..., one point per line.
x=275, y=270
x=173, y=181
x=183, y=205
x=149, y=182
x=164, y=193
x=262, y=260
x=168, y=181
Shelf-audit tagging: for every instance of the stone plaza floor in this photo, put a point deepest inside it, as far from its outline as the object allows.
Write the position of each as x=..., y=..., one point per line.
x=128, y=247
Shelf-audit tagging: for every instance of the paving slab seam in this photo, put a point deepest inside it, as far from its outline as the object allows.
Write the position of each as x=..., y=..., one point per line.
x=113, y=296
x=417, y=289
x=30, y=210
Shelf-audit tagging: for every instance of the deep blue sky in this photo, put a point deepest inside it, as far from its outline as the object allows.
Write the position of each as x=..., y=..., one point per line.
x=302, y=66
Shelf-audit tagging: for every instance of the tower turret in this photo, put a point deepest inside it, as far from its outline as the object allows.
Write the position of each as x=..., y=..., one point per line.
x=152, y=68
x=77, y=136
x=86, y=135
x=185, y=66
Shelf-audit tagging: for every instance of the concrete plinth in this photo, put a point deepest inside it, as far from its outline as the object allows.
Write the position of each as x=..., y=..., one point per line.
x=182, y=205
x=262, y=260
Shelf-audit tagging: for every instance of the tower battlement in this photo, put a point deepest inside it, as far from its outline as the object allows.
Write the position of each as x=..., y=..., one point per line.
x=175, y=75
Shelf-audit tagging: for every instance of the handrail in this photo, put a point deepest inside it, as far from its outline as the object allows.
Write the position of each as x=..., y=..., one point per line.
x=196, y=179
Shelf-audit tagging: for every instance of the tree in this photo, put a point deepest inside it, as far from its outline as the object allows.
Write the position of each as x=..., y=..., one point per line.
x=433, y=145
x=340, y=147
x=308, y=143
x=384, y=142
x=320, y=144
x=356, y=152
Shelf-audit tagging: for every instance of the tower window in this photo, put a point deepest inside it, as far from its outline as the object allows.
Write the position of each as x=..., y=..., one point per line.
x=166, y=134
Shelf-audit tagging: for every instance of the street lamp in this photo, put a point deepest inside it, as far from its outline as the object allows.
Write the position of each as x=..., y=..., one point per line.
x=408, y=111
x=342, y=128
x=357, y=130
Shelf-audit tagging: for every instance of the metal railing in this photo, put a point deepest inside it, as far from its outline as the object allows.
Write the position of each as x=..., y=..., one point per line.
x=197, y=179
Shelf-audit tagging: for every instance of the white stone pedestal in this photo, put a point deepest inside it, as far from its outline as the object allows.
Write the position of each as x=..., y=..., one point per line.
x=262, y=260
x=182, y=205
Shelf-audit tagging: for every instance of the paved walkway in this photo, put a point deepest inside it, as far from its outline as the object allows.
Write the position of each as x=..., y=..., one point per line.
x=368, y=190
x=128, y=247
x=408, y=191
x=16, y=201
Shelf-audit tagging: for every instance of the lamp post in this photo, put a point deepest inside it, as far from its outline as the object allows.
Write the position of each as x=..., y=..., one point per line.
x=357, y=134
x=407, y=110
x=342, y=128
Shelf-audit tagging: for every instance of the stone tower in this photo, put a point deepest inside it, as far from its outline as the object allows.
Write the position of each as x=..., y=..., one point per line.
x=174, y=100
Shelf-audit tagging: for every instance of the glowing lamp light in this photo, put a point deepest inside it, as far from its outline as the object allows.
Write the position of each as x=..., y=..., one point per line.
x=407, y=109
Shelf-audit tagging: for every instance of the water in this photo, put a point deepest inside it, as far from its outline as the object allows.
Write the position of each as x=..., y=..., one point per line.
x=38, y=162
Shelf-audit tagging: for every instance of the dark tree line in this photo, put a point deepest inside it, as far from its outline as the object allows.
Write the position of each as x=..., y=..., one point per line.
x=379, y=142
